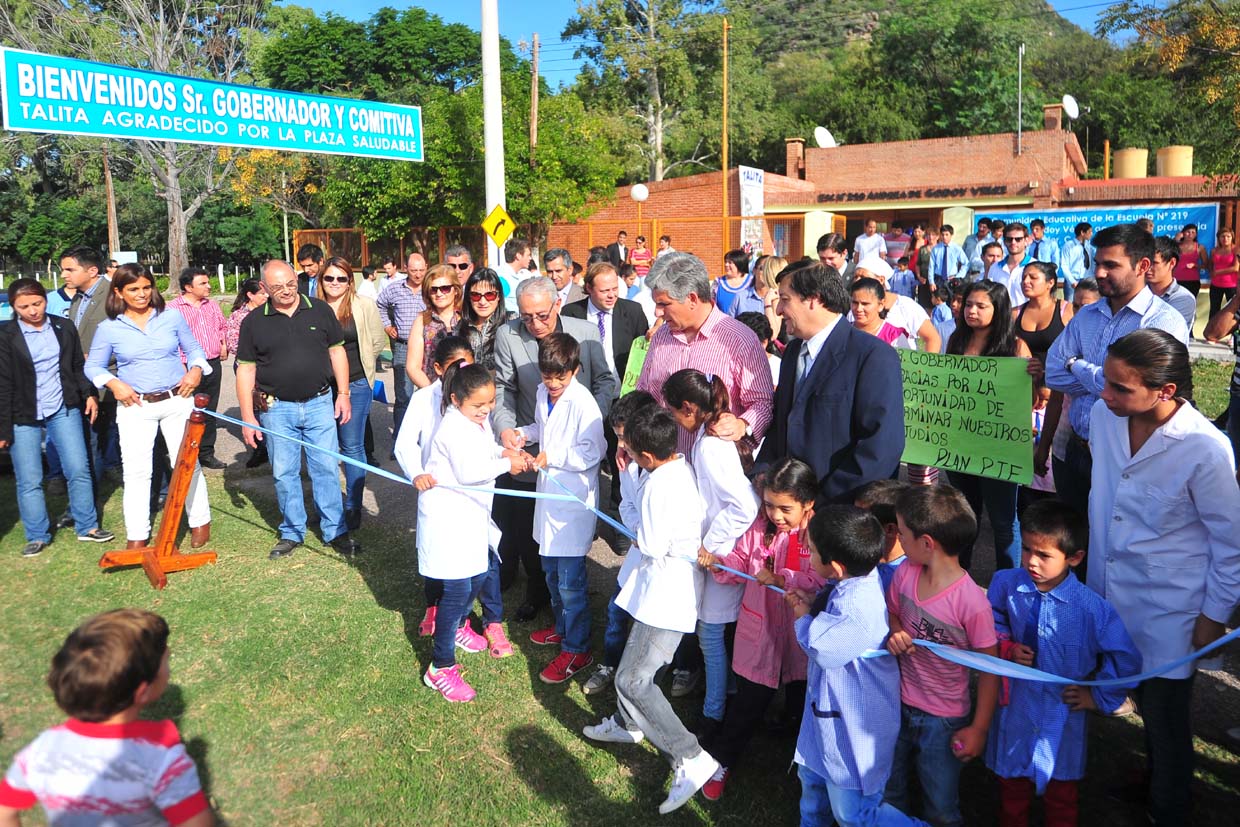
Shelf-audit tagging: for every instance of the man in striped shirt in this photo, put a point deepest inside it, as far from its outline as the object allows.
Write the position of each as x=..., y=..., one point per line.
x=695, y=334
x=207, y=324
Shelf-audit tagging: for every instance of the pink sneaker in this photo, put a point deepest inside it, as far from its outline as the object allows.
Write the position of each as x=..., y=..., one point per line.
x=427, y=627
x=469, y=640
x=500, y=647
x=449, y=683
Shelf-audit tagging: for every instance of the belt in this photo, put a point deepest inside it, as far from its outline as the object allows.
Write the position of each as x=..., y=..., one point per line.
x=401, y=341
x=158, y=397
x=326, y=389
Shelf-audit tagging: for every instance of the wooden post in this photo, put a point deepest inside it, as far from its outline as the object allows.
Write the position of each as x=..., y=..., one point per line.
x=163, y=557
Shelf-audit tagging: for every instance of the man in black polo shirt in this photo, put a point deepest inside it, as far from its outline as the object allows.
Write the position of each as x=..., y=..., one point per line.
x=289, y=354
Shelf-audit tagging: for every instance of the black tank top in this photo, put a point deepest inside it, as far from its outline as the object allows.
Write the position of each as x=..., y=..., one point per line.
x=1040, y=341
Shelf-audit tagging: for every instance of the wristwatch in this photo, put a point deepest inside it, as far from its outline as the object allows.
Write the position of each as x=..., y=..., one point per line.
x=1072, y=361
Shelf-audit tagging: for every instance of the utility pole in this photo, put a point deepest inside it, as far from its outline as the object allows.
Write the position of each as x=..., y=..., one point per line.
x=727, y=241
x=1020, y=100
x=534, y=101
x=492, y=118
x=114, y=235
x=288, y=251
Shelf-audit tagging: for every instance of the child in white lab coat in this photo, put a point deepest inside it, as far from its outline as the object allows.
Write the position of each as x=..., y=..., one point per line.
x=696, y=402
x=569, y=427
x=456, y=536
x=662, y=595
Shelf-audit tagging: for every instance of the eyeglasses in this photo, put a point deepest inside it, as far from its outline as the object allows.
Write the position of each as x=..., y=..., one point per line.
x=542, y=318
x=1008, y=239
x=443, y=288
x=488, y=296
x=281, y=288
x=336, y=279
x=461, y=265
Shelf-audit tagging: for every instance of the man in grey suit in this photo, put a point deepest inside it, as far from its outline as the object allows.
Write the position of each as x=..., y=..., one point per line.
x=558, y=264
x=516, y=383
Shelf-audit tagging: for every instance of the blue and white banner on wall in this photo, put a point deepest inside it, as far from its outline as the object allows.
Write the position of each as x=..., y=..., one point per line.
x=46, y=93
x=1168, y=219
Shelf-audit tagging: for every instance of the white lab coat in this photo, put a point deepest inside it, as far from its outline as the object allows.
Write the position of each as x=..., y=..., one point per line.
x=1164, y=530
x=571, y=435
x=417, y=429
x=665, y=589
x=455, y=529
x=632, y=484
x=731, y=507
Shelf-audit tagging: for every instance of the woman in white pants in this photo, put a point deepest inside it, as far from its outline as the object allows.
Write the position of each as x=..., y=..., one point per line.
x=153, y=390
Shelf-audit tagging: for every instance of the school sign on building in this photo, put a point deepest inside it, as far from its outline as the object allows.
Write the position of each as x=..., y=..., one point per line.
x=46, y=93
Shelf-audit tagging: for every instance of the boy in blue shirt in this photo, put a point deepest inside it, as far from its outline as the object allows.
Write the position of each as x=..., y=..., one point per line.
x=902, y=282
x=852, y=704
x=1048, y=619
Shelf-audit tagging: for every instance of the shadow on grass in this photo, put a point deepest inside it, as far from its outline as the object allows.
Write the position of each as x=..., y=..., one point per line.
x=171, y=706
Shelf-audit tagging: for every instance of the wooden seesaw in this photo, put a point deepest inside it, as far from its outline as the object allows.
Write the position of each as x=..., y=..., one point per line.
x=163, y=557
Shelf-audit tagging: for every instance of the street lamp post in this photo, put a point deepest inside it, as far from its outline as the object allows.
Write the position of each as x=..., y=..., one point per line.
x=639, y=193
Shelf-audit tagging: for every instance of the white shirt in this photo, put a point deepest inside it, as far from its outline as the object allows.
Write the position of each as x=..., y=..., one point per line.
x=571, y=434
x=1164, y=529
x=1004, y=273
x=417, y=429
x=665, y=588
x=809, y=350
x=564, y=293
x=366, y=287
x=646, y=299
x=592, y=317
x=870, y=245
x=731, y=507
x=632, y=484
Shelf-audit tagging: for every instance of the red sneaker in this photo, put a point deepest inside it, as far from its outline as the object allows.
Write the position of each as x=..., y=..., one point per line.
x=546, y=637
x=712, y=790
x=565, y=665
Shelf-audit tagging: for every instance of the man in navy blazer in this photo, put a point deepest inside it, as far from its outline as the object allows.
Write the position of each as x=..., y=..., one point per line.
x=839, y=403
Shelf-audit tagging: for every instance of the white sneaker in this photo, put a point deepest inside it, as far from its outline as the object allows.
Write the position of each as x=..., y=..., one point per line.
x=688, y=777
x=612, y=731
x=599, y=681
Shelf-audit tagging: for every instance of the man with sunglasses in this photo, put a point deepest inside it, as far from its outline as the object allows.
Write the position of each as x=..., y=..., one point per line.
x=1010, y=271
x=517, y=380
x=399, y=304
x=459, y=257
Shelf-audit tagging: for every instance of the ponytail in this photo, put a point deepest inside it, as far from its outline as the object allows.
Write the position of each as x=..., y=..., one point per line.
x=708, y=393
x=461, y=379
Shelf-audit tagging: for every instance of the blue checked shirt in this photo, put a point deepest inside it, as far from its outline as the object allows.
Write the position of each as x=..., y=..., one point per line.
x=1088, y=335
x=399, y=304
x=44, y=350
x=852, y=705
x=1076, y=634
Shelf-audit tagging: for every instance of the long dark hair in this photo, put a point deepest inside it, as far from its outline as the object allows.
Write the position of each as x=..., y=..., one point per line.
x=488, y=277
x=1159, y=358
x=792, y=477
x=1001, y=337
x=710, y=395
x=461, y=380
x=243, y=293
x=126, y=275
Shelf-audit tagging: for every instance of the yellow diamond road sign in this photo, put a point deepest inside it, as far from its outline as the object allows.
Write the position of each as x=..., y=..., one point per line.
x=498, y=225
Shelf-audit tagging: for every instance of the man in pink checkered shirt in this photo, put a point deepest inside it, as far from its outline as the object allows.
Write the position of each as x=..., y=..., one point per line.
x=209, y=327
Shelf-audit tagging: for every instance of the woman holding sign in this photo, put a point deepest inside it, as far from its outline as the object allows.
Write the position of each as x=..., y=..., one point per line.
x=988, y=329
x=1164, y=531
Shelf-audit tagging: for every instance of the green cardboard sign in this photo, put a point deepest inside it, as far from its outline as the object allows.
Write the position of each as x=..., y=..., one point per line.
x=970, y=414
x=637, y=358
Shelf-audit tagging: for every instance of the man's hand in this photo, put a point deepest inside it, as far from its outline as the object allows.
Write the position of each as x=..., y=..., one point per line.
x=728, y=427
x=1022, y=654
x=539, y=461
x=1079, y=698
x=251, y=436
x=899, y=643
x=344, y=408
x=512, y=439
x=968, y=743
x=92, y=409
x=424, y=482
x=390, y=330
x=1206, y=631
x=1042, y=456
x=1035, y=368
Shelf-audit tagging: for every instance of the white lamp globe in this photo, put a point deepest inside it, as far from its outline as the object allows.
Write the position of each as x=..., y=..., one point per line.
x=639, y=192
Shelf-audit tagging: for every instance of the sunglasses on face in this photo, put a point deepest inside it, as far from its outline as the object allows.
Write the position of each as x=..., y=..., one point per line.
x=442, y=288
x=336, y=279
x=488, y=296
x=1011, y=239
x=461, y=265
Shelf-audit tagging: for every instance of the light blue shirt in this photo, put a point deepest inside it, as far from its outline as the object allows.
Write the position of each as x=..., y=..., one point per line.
x=747, y=300
x=57, y=304
x=947, y=261
x=973, y=251
x=942, y=313
x=1072, y=265
x=86, y=297
x=1074, y=633
x=1088, y=335
x=1045, y=250
x=147, y=360
x=45, y=352
x=852, y=704
x=903, y=283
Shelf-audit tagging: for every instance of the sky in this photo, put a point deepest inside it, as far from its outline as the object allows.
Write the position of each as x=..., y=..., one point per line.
x=519, y=19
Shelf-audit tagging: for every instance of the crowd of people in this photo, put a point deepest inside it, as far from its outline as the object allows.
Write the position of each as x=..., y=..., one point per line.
x=772, y=539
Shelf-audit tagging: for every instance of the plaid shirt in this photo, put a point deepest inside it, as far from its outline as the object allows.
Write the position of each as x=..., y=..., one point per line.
x=399, y=304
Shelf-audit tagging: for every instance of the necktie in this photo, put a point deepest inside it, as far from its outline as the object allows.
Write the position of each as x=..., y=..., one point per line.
x=1029, y=635
x=602, y=328
x=1036, y=246
x=803, y=362
x=1085, y=250
x=943, y=266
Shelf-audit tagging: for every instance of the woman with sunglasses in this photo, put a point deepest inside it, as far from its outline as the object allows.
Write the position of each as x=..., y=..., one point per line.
x=483, y=314
x=442, y=293
x=364, y=340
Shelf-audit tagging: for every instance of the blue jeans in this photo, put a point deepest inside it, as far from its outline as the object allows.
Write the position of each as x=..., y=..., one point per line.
x=824, y=804
x=352, y=437
x=64, y=430
x=927, y=739
x=490, y=596
x=105, y=437
x=403, y=389
x=311, y=421
x=718, y=667
x=616, y=634
x=570, y=605
x=998, y=498
x=455, y=604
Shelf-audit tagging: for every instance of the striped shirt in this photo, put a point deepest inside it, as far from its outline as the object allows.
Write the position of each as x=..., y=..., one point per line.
x=722, y=347
x=205, y=321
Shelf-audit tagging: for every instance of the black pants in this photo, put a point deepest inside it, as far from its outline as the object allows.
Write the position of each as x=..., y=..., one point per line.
x=210, y=385
x=745, y=712
x=1218, y=297
x=515, y=518
x=1166, y=709
x=610, y=434
x=1193, y=287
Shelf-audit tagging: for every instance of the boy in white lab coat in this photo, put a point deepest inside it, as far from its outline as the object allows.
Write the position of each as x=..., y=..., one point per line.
x=662, y=595
x=569, y=426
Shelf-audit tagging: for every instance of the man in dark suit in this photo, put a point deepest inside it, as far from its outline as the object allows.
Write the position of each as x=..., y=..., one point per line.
x=839, y=404
x=558, y=265
x=310, y=257
x=619, y=322
x=81, y=268
x=618, y=253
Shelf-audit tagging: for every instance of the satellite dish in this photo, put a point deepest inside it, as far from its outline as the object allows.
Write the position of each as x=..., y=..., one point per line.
x=1070, y=107
x=824, y=138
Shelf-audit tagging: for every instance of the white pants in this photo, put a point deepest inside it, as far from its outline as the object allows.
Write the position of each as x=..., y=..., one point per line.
x=137, y=425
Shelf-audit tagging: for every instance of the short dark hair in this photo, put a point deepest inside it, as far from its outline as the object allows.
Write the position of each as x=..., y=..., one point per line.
x=947, y=228
x=997, y=223
x=758, y=323
x=1037, y=222
x=1016, y=225
x=450, y=346
x=25, y=287
x=597, y=255
x=1137, y=243
x=819, y=281
x=189, y=274
x=651, y=431
x=560, y=253
x=1089, y=284
x=313, y=252
x=850, y=536
x=103, y=662
x=903, y=260
x=739, y=259
x=940, y=512
x=1166, y=247
x=1158, y=357
x=666, y=238
x=388, y=260
x=879, y=498
x=558, y=354
x=986, y=247
x=983, y=220
x=85, y=256
x=627, y=405
x=943, y=293
x=514, y=248
x=1055, y=519
x=832, y=241
x=1083, y=227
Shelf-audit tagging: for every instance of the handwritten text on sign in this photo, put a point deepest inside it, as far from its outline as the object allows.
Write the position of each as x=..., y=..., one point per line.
x=970, y=414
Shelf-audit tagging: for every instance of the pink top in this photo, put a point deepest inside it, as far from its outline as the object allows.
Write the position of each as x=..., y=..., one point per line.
x=959, y=616
x=1223, y=261
x=1188, y=269
x=640, y=259
x=766, y=649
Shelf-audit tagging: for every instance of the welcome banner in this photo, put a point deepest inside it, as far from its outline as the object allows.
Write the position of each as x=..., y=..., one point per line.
x=46, y=93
